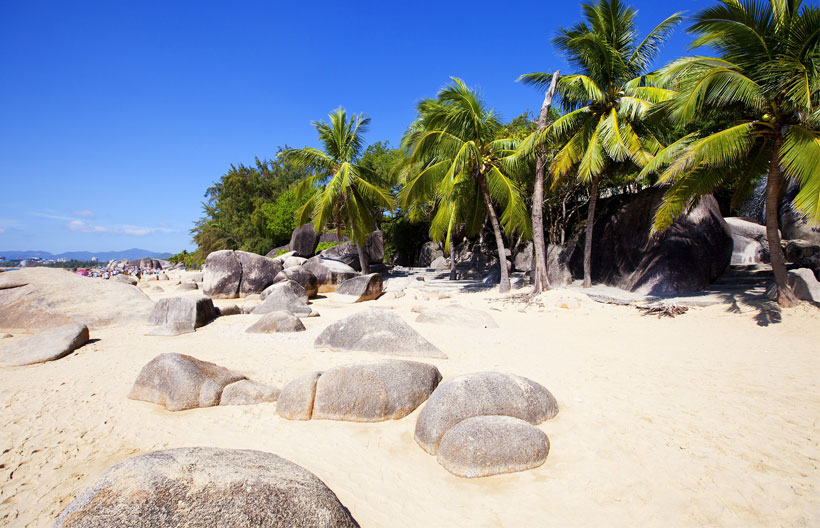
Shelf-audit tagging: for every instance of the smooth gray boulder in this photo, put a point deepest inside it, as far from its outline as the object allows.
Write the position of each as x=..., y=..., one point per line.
x=329, y=273
x=182, y=382
x=247, y=392
x=379, y=331
x=294, y=262
x=206, y=487
x=481, y=394
x=285, y=296
x=156, y=289
x=181, y=315
x=257, y=272
x=301, y=276
x=374, y=392
x=125, y=279
x=360, y=289
x=455, y=315
x=348, y=253
x=188, y=286
x=749, y=239
x=222, y=275
x=794, y=225
x=806, y=287
x=279, y=321
x=428, y=253
x=47, y=345
x=303, y=241
x=297, y=397
x=439, y=264
x=490, y=445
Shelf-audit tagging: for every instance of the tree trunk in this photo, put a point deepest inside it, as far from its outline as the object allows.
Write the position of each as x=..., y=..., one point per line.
x=539, y=247
x=363, y=260
x=504, y=284
x=785, y=296
x=452, y=258
x=593, y=199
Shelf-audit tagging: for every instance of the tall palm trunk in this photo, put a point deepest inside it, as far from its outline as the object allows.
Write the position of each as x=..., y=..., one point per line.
x=540, y=279
x=504, y=284
x=593, y=199
x=452, y=257
x=785, y=296
x=363, y=260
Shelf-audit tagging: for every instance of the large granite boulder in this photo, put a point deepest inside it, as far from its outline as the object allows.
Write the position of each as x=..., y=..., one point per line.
x=374, y=247
x=181, y=315
x=374, y=392
x=750, y=243
x=302, y=276
x=303, y=241
x=329, y=273
x=794, y=225
x=293, y=262
x=694, y=251
x=206, y=486
x=454, y=315
x=297, y=397
x=348, y=253
x=273, y=322
x=812, y=263
x=481, y=394
x=287, y=296
x=379, y=331
x=222, y=275
x=47, y=345
x=360, y=289
x=182, y=382
x=522, y=257
x=257, y=272
x=805, y=285
x=125, y=279
x=490, y=445
x=247, y=392
x=428, y=253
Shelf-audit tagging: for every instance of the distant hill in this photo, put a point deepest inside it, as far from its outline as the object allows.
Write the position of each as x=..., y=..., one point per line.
x=102, y=256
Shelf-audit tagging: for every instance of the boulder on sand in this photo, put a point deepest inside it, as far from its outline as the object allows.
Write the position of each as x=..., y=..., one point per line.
x=247, y=392
x=379, y=331
x=489, y=445
x=287, y=296
x=206, y=486
x=44, y=346
x=125, y=279
x=429, y=252
x=303, y=241
x=455, y=315
x=750, y=243
x=181, y=315
x=481, y=394
x=374, y=392
x=329, y=273
x=296, y=398
x=348, y=253
x=279, y=321
x=359, y=289
x=182, y=382
x=257, y=272
x=300, y=275
x=806, y=287
x=222, y=275
x=187, y=286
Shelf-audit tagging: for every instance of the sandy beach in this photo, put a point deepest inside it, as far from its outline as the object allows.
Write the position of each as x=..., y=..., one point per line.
x=707, y=419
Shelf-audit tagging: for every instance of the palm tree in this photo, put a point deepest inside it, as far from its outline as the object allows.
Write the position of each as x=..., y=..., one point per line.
x=346, y=193
x=455, y=157
x=763, y=91
x=606, y=102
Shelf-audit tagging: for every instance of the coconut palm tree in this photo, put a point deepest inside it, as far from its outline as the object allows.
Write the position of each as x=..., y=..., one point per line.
x=606, y=101
x=455, y=157
x=764, y=94
x=345, y=193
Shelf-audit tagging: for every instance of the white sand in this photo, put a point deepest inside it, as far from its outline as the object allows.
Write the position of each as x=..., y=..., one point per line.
x=703, y=420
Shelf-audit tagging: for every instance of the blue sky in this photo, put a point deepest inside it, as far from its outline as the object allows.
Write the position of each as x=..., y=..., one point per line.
x=116, y=116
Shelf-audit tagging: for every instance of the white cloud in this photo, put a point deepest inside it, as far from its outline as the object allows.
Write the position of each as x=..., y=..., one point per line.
x=81, y=226
x=84, y=213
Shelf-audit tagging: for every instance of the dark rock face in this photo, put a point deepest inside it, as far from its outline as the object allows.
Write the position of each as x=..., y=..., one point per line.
x=374, y=247
x=793, y=224
x=47, y=345
x=273, y=322
x=182, y=382
x=244, y=488
x=687, y=257
x=287, y=296
x=379, y=331
x=806, y=287
x=329, y=273
x=374, y=392
x=481, y=394
x=302, y=276
x=247, y=392
x=811, y=263
x=304, y=240
x=429, y=252
x=348, y=253
x=360, y=289
x=297, y=397
x=257, y=272
x=750, y=245
x=491, y=445
x=182, y=314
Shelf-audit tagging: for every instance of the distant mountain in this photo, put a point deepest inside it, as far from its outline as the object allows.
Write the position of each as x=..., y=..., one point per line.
x=102, y=256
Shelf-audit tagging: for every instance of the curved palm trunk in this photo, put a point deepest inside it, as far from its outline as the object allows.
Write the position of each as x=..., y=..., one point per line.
x=363, y=260
x=504, y=284
x=785, y=296
x=540, y=279
x=452, y=258
x=593, y=199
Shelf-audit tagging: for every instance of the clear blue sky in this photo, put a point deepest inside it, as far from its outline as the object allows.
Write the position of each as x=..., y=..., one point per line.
x=116, y=116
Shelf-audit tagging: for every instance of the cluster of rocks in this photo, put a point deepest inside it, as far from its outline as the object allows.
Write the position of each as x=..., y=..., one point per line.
x=142, y=264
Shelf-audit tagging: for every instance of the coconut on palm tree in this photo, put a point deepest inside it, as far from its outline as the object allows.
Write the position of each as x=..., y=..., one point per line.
x=455, y=158
x=763, y=91
x=346, y=193
x=606, y=102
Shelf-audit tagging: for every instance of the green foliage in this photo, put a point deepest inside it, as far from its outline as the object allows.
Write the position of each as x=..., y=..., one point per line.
x=403, y=237
x=326, y=245
x=280, y=215
x=190, y=260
